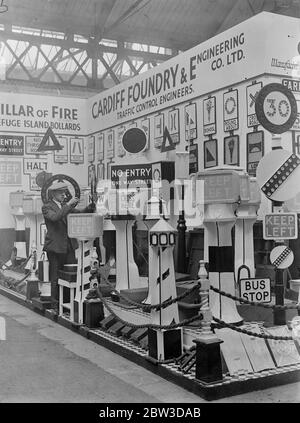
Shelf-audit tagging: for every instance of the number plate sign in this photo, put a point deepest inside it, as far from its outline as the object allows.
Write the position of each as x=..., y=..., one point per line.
x=276, y=108
x=278, y=174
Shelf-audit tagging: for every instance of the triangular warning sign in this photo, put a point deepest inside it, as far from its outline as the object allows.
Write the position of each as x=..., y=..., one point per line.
x=45, y=143
x=167, y=144
x=209, y=156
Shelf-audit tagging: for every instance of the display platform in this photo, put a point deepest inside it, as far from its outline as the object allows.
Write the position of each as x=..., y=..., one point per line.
x=229, y=386
x=134, y=348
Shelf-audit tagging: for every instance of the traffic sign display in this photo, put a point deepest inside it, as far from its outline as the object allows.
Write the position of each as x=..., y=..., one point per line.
x=167, y=144
x=276, y=108
x=280, y=226
x=45, y=144
x=134, y=140
x=281, y=257
x=257, y=290
x=278, y=175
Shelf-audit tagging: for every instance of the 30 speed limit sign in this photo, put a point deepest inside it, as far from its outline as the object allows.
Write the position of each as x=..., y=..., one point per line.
x=276, y=108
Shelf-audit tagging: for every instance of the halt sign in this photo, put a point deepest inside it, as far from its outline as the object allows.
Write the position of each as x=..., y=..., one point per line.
x=280, y=226
x=257, y=290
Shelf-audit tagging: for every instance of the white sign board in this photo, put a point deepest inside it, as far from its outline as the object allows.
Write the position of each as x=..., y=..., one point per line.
x=222, y=61
x=91, y=148
x=76, y=150
x=32, y=167
x=280, y=226
x=256, y=289
x=61, y=156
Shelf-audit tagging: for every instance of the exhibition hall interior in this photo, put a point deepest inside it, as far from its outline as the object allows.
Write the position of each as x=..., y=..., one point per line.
x=147, y=154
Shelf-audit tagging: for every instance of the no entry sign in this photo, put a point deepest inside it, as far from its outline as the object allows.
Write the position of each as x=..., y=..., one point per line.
x=280, y=226
x=257, y=290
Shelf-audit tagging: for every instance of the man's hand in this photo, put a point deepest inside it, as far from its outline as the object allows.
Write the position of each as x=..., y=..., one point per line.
x=73, y=202
x=91, y=208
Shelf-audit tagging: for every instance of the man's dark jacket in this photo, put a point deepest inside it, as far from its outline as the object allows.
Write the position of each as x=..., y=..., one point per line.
x=56, y=239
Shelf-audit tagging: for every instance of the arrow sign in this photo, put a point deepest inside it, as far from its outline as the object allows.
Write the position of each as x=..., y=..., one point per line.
x=45, y=143
x=167, y=144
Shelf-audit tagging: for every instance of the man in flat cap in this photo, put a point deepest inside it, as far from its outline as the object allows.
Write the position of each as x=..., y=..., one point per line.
x=59, y=247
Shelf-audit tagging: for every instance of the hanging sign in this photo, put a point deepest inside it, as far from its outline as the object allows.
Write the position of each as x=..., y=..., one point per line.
x=252, y=93
x=61, y=156
x=91, y=148
x=145, y=126
x=100, y=171
x=167, y=144
x=110, y=150
x=120, y=133
x=231, y=150
x=231, y=110
x=296, y=124
x=210, y=153
x=190, y=118
x=281, y=257
x=76, y=151
x=173, y=125
x=255, y=150
x=135, y=175
x=11, y=145
x=278, y=175
x=209, y=116
x=193, y=158
x=32, y=143
x=32, y=167
x=280, y=226
x=91, y=174
x=276, y=108
x=158, y=130
x=99, y=146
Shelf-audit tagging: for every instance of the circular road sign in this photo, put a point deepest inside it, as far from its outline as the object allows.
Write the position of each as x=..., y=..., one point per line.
x=60, y=178
x=281, y=257
x=134, y=140
x=278, y=174
x=276, y=108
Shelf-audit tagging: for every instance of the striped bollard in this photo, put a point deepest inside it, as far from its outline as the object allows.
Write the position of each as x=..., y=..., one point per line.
x=83, y=256
x=164, y=344
x=16, y=204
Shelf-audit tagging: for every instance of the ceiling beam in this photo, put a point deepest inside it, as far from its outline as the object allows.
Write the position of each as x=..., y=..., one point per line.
x=102, y=15
x=68, y=44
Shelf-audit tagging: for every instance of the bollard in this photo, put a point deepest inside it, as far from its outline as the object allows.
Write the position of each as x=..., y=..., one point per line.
x=32, y=282
x=208, y=353
x=93, y=306
x=204, y=310
x=164, y=344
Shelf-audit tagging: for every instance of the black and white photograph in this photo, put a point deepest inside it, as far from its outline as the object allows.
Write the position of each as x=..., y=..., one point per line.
x=150, y=208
